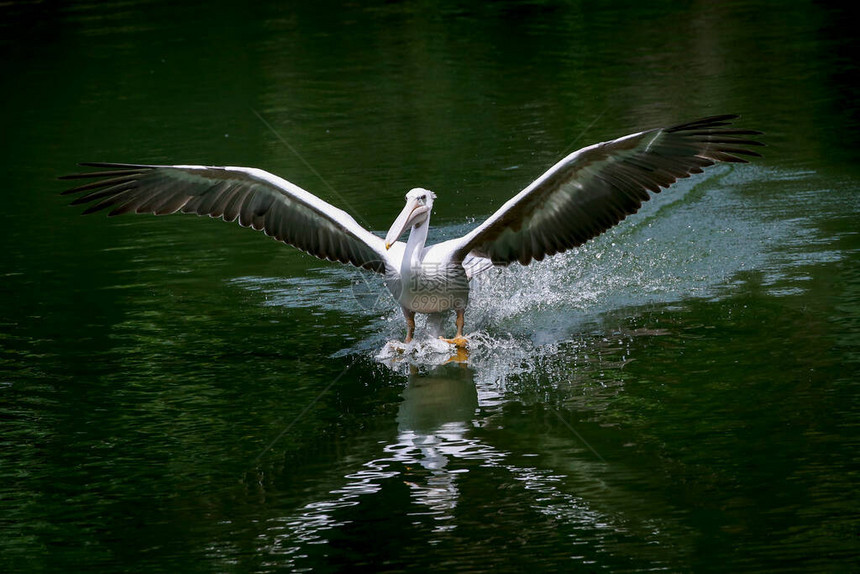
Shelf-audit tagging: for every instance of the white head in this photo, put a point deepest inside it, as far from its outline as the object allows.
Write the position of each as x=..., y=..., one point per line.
x=419, y=203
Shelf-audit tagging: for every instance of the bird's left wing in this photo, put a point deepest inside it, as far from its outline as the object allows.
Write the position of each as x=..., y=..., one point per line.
x=596, y=187
x=253, y=197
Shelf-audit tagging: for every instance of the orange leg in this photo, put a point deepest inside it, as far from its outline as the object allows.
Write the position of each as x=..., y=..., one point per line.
x=459, y=340
x=410, y=324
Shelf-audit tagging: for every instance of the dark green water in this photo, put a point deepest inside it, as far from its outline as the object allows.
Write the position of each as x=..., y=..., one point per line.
x=182, y=395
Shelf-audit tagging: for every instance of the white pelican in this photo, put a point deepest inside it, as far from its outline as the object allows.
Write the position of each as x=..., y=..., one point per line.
x=577, y=199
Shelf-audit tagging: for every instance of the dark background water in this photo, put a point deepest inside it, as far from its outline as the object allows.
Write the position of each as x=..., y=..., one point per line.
x=182, y=395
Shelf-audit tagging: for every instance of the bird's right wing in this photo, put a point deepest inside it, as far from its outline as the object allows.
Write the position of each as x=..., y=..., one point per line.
x=596, y=187
x=254, y=197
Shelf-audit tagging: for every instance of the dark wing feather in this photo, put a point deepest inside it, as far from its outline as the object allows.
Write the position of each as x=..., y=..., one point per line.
x=596, y=187
x=253, y=197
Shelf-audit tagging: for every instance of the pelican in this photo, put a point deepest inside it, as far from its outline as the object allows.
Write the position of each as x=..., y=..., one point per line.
x=577, y=199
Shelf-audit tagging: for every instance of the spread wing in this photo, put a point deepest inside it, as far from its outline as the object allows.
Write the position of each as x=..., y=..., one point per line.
x=253, y=197
x=596, y=187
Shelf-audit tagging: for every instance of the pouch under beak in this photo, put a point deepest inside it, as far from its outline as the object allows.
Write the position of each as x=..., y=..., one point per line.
x=412, y=213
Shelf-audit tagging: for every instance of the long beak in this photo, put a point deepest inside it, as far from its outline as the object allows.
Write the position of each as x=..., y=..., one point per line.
x=411, y=214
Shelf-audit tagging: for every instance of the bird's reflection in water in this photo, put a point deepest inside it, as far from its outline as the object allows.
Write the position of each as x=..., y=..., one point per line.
x=433, y=424
x=434, y=420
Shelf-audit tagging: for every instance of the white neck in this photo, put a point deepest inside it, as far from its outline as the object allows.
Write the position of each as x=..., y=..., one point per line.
x=413, y=253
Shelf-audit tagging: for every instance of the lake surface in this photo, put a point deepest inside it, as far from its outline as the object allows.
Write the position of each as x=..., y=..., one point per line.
x=182, y=395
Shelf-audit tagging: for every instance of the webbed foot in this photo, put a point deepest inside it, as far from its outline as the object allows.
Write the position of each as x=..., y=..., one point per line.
x=461, y=356
x=459, y=341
